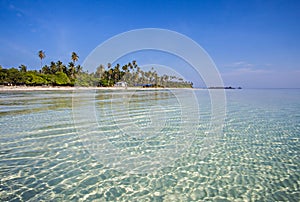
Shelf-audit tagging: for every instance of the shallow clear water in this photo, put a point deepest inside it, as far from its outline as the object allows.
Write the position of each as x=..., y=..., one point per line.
x=44, y=156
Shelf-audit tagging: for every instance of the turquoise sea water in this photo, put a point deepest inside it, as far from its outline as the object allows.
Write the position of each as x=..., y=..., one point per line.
x=43, y=158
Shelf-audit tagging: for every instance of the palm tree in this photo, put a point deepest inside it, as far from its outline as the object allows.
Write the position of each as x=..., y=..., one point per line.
x=134, y=63
x=143, y=77
x=23, y=68
x=155, y=75
x=53, y=67
x=125, y=68
x=130, y=65
x=45, y=70
x=100, y=71
x=78, y=69
x=74, y=57
x=110, y=72
x=71, y=70
x=60, y=66
x=41, y=55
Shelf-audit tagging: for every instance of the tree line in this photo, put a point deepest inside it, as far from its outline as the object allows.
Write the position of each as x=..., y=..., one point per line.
x=59, y=74
x=54, y=74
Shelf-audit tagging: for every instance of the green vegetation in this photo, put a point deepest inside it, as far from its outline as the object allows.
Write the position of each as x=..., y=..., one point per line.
x=59, y=74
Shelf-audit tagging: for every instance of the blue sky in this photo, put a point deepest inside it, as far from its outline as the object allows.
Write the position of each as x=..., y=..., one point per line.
x=253, y=43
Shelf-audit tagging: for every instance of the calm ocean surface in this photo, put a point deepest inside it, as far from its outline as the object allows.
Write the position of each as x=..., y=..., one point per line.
x=44, y=157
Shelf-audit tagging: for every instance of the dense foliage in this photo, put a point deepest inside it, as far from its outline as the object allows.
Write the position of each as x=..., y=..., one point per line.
x=133, y=75
x=59, y=74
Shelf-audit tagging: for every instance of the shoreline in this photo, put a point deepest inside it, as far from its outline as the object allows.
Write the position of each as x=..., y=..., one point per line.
x=69, y=88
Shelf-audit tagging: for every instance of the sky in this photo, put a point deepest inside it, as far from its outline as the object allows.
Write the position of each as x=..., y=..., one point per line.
x=254, y=44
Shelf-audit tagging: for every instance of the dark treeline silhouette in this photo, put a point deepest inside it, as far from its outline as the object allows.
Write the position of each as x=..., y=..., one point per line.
x=59, y=74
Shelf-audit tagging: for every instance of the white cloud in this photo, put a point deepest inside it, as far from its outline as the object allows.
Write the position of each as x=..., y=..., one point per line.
x=19, y=12
x=23, y=53
x=239, y=64
x=246, y=68
x=245, y=64
x=246, y=71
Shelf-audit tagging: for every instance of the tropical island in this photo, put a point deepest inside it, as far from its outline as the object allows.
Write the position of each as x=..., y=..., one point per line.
x=59, y=74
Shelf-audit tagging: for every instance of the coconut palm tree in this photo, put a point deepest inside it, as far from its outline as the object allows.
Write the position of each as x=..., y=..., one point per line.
x=60, y=66
x=78, y=69
x=125, y=68
x=110, y=72
x=45, y=70
x=108, y=65
x=71, y=70
x=130, y=65
x=100, y=71
x=117, y=72
x=23, y=68
x=99, y=74
x=134, y=63
x=74, y=57
x=53, y=67
x=41, y=55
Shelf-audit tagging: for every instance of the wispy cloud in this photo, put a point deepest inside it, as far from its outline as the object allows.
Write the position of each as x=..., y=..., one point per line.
x=19, y=49
x=19, y=12
x=239, y=64
x=246, y=71
x=26, y=14
x=251, y=71
x=244, y=67
x=245, y=64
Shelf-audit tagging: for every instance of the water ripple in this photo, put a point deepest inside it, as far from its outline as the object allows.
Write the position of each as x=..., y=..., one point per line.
x=43, y=159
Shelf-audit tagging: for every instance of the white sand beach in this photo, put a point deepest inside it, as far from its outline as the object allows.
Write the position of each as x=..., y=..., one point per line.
x=65, y=88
